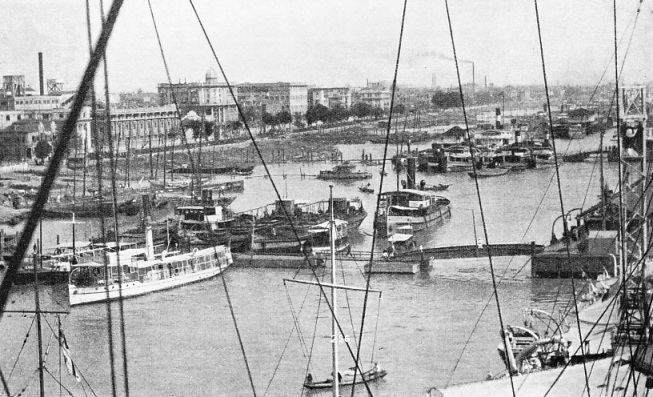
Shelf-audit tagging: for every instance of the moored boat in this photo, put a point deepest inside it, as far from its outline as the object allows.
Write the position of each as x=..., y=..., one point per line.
x=410, y=207
x=139, y=271
x=489, y=172
x=344, y=171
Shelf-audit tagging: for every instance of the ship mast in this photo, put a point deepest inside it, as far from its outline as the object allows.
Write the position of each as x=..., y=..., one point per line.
x=334, y=305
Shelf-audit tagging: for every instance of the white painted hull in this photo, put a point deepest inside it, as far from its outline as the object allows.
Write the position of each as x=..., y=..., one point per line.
x=416, y=222
x=80, y=296
x=160, y=275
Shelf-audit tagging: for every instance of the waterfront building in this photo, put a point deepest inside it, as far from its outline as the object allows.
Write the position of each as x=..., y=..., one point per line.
x=20, y=138
x=275, y=97
x=375, y=94
x=330, y=97
x=211, y=99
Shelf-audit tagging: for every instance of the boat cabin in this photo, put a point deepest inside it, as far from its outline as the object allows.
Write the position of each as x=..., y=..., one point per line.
x=320, y=238
x=192, y=216
x=135, y=268
x=408, y=201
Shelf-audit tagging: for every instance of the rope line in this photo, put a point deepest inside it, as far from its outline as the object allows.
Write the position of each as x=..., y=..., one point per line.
x=98, y=171
x=478, y=189
x=240, y=112
x=555, y=155
x=112, y=166
x=378, y=197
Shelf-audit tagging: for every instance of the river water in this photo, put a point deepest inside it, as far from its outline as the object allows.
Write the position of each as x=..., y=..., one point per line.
x=183, y=341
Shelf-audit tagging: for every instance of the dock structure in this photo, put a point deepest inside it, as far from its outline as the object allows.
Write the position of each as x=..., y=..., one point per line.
x=276, y=261
x=588, y=257
x=392, y=267
x=473, y=251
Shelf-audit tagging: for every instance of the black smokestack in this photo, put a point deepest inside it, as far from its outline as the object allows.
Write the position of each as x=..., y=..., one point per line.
x=41, y=73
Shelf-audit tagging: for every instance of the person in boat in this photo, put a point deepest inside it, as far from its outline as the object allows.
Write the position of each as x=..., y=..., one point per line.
x=385, y=255
x=392, y=250
x=376, y=368
x=309, y=379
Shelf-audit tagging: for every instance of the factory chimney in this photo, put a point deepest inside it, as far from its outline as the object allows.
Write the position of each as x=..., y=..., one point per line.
x=41, y=73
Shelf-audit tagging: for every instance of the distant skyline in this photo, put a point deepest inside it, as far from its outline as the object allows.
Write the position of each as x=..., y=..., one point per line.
x=333, y=43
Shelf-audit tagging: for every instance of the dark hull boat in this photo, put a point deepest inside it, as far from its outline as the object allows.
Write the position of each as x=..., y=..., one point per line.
x=347, y=379
x=88, y=209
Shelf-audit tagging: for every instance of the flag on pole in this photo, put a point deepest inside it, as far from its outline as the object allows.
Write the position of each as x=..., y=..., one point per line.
x=70, y=365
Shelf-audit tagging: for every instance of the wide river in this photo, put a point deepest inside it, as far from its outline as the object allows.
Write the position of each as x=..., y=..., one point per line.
x=183, y=342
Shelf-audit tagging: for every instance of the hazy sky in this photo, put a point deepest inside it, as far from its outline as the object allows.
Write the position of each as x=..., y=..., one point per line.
x=332, y=42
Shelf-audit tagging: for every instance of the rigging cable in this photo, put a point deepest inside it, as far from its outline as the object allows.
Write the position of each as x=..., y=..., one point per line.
x=478, y=191
x=622, y=229
x=98, y=170
x=59, y=152
x=79, y=372
x=562, y=208
x=378, y=197
x=53, y=168
x=21, y=348
x=184, y=141
x=112, y=166
x=233, y=316
x=240, y=112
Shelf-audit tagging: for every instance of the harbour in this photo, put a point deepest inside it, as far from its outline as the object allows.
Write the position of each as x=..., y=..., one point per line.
x=411, y=298
x=301, y=210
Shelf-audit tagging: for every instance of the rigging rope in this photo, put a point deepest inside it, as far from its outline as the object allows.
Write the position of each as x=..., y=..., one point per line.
x=233, y=316
x=378, y=197
x=112, y=166
x=555, y=155
x=98, y=170
x=21, y=348
x=300, y=335
x=47, y=182
x=478, y=190
x=184, y=141
x=240, y=112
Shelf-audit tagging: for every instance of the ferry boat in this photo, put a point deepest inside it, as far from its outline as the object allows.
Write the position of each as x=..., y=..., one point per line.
x=142, y=272
x=344, y=171
x=410, y=207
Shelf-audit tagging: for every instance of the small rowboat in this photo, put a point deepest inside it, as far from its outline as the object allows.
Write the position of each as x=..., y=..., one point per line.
x=488, y=173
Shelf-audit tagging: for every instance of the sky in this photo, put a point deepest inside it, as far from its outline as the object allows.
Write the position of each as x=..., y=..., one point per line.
x=334, y=42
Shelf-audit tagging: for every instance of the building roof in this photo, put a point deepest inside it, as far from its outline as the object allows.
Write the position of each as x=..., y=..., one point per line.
x=211, y=74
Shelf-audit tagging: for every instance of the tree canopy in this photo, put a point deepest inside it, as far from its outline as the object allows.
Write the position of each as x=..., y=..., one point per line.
x=446, y=100
x=42, y=150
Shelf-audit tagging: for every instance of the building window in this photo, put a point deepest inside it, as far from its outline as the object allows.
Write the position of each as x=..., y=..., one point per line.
x=18, y=117
x=7, y=118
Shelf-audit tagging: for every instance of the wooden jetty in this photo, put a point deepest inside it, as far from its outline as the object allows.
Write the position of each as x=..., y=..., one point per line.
x=473, y=251
x=276, y=261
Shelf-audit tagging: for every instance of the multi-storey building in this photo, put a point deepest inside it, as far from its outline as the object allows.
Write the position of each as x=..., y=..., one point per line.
x=19, y=139
x=211, y=98
x=330, y=97
x=275, y=97
x=375, y=94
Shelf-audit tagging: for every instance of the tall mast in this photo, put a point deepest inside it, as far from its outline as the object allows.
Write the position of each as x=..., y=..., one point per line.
x=334, y=305
x=39, y=258
x=602, y=190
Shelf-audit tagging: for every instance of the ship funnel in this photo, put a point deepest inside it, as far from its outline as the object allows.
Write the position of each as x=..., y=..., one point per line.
x=41, y=73
x=499, y=120
x=149, y=242
x=517, y=136
x=410, y=172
